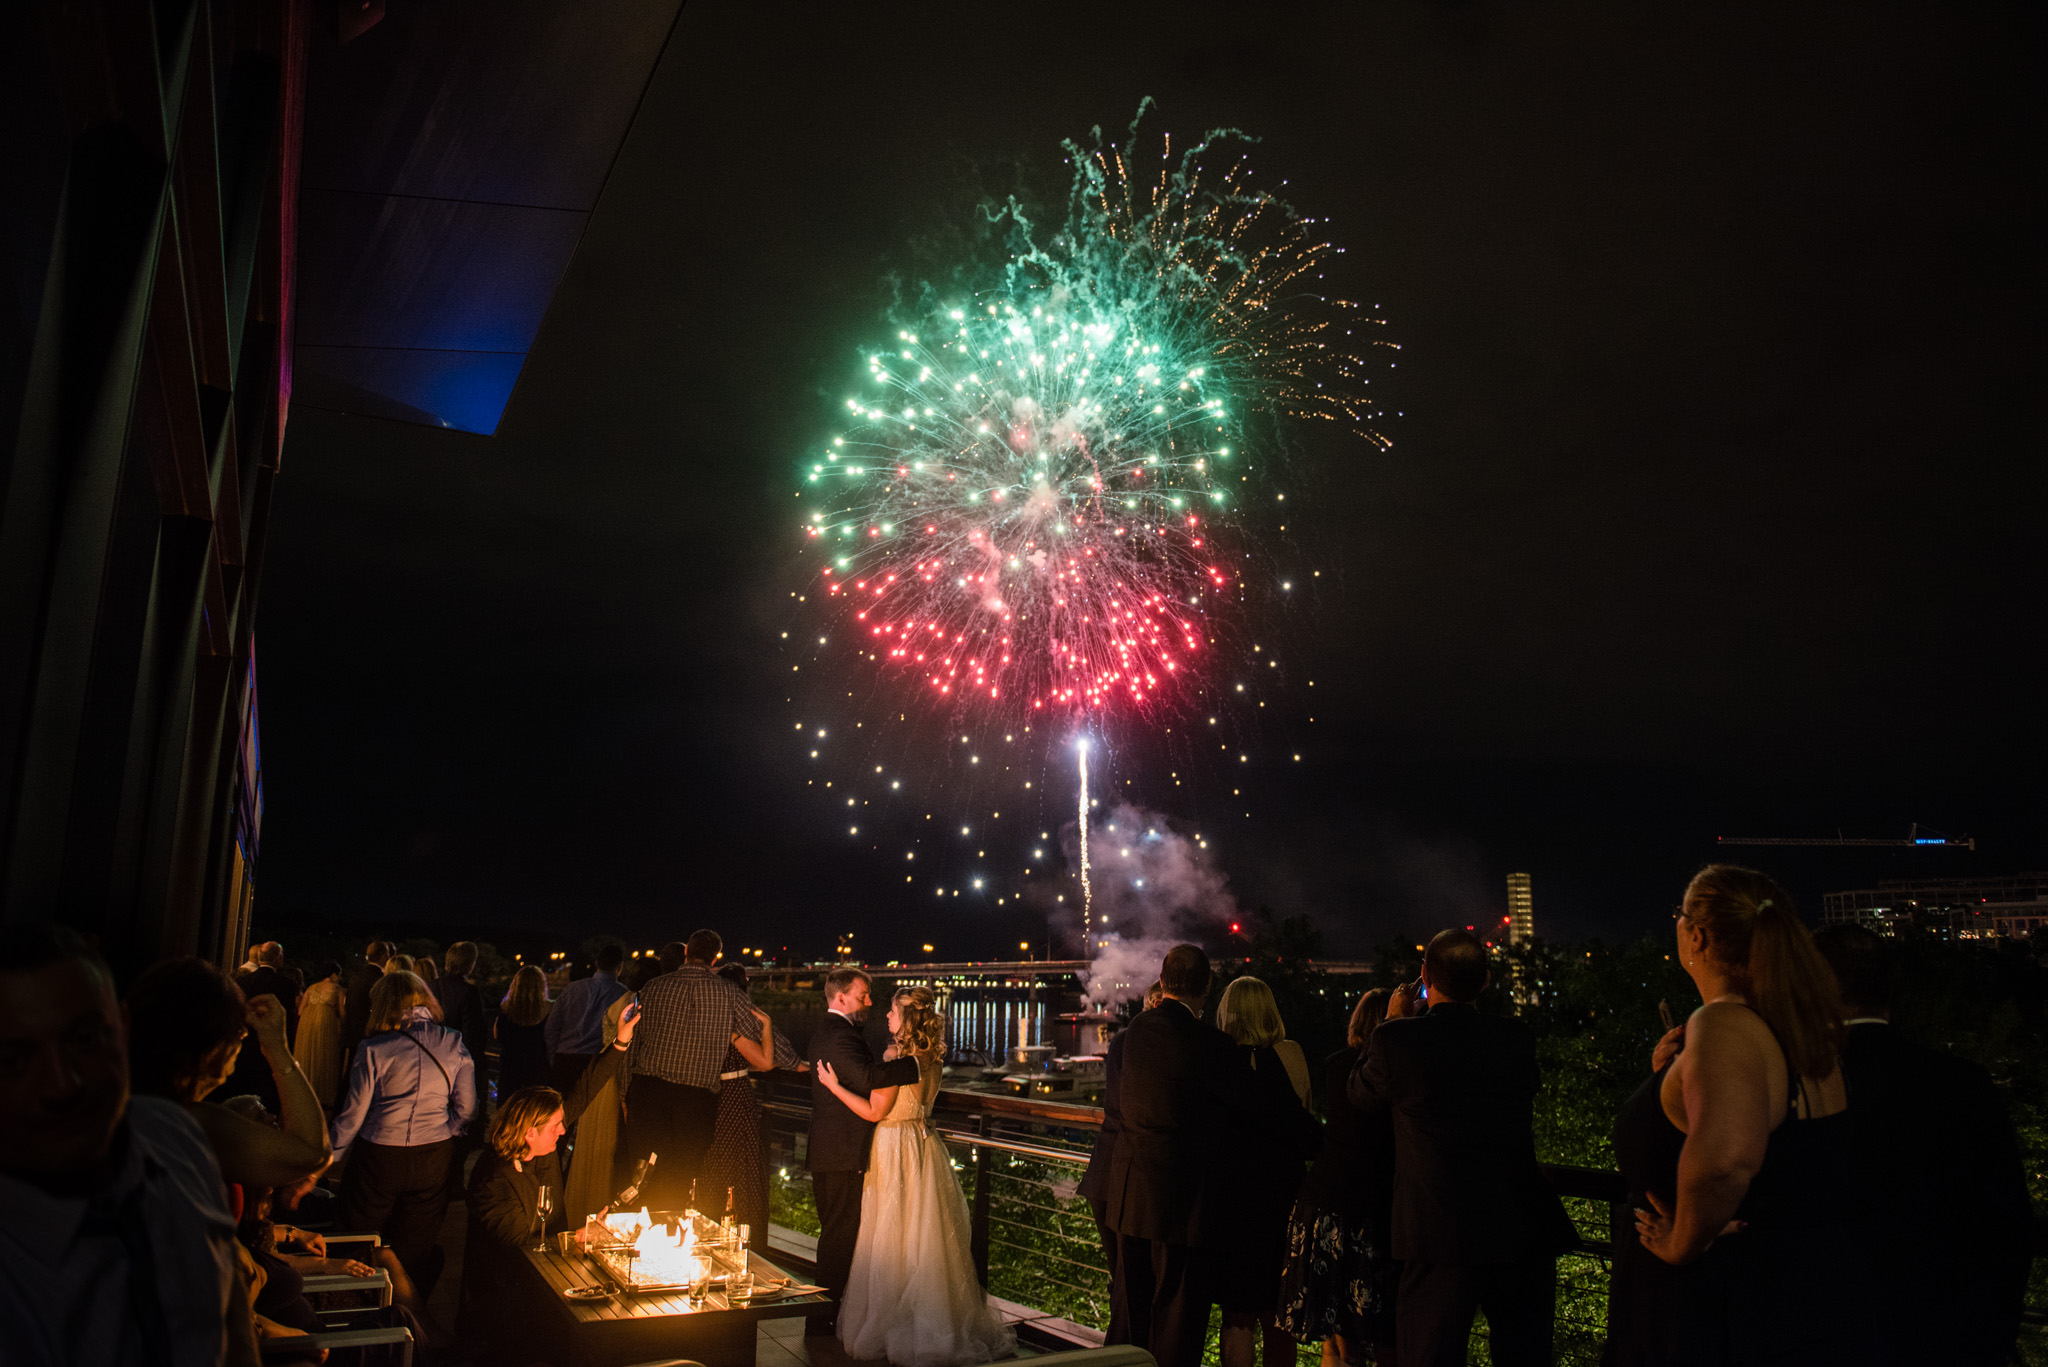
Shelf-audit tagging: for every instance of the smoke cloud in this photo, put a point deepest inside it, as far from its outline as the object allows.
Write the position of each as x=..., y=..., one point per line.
x=1156, y=885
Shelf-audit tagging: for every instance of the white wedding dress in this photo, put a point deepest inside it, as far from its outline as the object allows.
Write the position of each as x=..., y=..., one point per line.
x=912, y=1297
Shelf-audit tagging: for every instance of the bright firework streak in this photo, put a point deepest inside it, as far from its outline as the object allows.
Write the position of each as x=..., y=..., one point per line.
x=1025, y=516
x=1087, y=891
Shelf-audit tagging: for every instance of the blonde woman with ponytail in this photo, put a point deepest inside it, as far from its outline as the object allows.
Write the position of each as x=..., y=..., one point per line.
x=1737, y=1152
x=913, y=1297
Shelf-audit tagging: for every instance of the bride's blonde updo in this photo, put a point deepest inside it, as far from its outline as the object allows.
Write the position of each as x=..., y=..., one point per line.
x=923, y=1031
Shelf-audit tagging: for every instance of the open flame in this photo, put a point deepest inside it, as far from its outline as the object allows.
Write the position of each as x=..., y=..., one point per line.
x=659, y=1259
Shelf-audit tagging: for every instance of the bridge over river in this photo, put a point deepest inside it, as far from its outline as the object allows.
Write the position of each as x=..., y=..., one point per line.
x=1025, y=973
x=990, y=1007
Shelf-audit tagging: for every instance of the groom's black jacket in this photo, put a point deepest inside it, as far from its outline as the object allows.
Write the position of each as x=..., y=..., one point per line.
x=839, y=1138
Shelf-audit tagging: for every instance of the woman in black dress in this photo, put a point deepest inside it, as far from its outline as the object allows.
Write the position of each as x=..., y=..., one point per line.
x=1736, y=1154
x=522, y=1032
x=736, y=1161
x=1338, y=1287
x=1271, y=1177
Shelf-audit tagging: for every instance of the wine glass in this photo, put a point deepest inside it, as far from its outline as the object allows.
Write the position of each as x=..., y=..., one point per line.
x=542, y=1207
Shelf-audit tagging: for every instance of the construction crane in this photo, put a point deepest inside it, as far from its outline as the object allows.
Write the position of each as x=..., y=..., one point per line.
x=1913, y=840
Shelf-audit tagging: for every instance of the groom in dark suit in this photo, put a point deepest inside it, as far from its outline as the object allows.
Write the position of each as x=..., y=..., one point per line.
x=839, y=1138
x=1476, y=1226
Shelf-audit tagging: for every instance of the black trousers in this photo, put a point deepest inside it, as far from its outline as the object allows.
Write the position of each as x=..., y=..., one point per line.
x=837, y=1195
x=1168, y=1292
x=401, y=1192
x=677, y=1123
x=1119, y=1330
x=1438, y=1300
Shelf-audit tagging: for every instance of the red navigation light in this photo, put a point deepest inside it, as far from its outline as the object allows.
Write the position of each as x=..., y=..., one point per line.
x=1235, y=927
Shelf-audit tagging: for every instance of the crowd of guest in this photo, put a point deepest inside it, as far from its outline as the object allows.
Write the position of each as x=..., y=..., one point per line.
x=1782, y=1137
x=175, y=1150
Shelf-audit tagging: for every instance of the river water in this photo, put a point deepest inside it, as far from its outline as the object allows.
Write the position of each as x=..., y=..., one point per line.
x=981, y=1022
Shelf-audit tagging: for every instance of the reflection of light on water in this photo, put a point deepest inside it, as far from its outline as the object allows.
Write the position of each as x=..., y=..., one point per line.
x=991, y=1027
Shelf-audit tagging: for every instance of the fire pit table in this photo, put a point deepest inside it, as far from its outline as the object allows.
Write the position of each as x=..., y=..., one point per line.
x=638, y=1325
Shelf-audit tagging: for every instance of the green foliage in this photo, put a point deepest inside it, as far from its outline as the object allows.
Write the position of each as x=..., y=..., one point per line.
x=790, y=1203
x=1594, y=1011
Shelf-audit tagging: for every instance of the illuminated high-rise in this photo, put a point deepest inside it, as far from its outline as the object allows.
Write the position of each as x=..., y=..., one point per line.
x=1521, y=913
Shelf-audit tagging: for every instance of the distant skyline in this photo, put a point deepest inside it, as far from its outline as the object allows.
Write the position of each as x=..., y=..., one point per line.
x=1712, y=507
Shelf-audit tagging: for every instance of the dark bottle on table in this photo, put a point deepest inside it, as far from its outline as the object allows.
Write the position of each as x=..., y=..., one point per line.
x=631, y=1191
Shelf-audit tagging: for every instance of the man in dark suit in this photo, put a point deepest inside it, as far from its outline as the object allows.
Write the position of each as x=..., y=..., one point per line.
x=838, y=1152
x=262, y=976
x=1939, y=1163
x=1094, y=1185
x=1183, y=1089
x=355, y=1007
x=1476, y=1227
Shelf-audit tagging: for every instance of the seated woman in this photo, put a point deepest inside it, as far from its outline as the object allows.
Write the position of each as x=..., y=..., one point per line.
x=519, y=1164
x=186, y=1025
x=277, y=1259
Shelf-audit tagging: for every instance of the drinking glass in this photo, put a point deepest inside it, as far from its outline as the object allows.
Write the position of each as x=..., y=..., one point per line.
x=542, y=1207
x=739, y=1287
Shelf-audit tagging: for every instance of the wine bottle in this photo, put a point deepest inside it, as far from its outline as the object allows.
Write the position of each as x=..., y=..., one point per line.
x=631, y=1191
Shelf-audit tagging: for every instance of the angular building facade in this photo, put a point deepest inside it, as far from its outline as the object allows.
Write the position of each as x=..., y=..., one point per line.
x=152, y=161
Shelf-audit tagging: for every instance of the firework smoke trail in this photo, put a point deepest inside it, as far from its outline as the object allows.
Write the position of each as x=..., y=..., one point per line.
x=1087, y=890
x=1024, y=517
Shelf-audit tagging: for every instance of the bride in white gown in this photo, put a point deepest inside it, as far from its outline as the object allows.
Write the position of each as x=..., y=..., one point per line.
x=913, y=1297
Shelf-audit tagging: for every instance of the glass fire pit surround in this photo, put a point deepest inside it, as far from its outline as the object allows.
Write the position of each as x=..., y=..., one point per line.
x=686, y=1252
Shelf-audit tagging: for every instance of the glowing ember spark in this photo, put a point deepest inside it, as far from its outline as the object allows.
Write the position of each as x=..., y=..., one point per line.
x=1024, y=517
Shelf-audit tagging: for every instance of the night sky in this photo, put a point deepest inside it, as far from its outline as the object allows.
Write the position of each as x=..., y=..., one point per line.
x=1714, y=506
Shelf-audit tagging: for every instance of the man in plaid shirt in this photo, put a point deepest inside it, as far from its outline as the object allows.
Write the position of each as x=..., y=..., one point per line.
x=688, y=1020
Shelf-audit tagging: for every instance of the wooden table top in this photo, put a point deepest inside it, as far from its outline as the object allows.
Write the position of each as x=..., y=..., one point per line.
x=560, y=1272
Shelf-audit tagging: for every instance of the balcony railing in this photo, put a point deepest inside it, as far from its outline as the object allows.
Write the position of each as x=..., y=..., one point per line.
x=1035, y=1242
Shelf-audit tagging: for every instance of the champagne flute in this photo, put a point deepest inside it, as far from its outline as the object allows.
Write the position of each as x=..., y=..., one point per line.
x=541, y=1209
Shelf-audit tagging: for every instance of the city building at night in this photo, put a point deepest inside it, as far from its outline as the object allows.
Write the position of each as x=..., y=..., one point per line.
x=1521, y=910
x=2012, y=906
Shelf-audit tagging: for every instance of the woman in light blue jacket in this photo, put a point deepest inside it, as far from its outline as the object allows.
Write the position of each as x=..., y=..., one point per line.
x=411, y=1090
